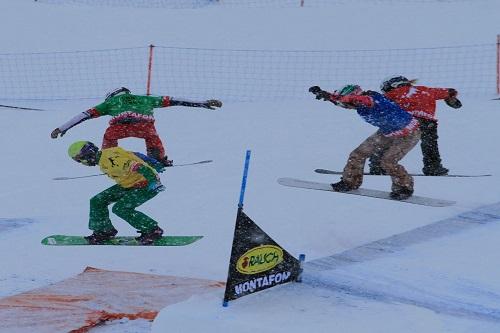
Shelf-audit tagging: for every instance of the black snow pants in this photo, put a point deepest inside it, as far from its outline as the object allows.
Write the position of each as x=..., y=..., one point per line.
x=429, y=146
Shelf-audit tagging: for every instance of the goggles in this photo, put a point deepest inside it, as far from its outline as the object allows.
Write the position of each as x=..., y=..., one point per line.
x=117, y=92
x=87, y=155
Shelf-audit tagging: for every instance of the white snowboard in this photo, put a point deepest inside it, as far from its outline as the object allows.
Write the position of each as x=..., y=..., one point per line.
x=414, y=199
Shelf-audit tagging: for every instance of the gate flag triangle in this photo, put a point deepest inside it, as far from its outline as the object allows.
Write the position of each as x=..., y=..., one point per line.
x=257, y=262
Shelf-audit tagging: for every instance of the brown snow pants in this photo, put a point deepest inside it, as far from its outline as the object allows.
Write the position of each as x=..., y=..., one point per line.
x=395, y=148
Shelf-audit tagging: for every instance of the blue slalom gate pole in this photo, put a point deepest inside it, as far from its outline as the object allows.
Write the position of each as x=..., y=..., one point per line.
x=244, y=180
x=242, y=196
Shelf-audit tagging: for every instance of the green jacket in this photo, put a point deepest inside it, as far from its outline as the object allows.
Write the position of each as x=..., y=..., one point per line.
x=129, y=108
x=130, y=104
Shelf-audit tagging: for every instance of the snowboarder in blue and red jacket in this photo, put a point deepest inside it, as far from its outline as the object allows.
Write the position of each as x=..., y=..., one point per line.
x=397, y=134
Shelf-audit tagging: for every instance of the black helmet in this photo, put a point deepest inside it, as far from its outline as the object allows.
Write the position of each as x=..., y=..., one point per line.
x=117, y=92
x=393, y=82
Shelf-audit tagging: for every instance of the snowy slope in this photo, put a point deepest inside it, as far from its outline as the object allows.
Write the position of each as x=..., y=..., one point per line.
x=438, y=286
x=410, y=290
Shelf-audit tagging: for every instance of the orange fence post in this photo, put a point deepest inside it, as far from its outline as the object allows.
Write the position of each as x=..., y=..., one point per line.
x=150, y=67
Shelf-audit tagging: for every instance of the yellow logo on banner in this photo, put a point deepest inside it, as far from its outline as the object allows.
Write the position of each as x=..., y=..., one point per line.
x=259, y=259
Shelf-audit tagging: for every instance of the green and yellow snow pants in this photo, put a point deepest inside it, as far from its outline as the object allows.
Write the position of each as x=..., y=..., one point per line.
x=126, y=200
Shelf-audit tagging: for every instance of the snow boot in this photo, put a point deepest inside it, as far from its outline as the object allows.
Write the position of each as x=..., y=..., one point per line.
x=101, y=237
x=402, y=193
x=148, y=237
x=342, y=186
x=437, y=171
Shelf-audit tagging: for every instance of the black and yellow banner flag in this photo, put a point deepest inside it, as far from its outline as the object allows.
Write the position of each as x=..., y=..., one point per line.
x=257, y=262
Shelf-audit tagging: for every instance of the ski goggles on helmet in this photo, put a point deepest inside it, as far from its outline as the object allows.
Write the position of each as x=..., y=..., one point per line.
x=117, y=92
x=395, y=82
x=349, y=90
x=87, y=154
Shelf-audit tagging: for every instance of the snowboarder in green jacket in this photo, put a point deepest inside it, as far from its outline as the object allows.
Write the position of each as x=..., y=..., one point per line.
x=132, y=116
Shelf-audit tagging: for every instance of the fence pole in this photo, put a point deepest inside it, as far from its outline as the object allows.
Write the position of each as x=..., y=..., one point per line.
x=150, y=67
x=498, y=64
x=301, y=3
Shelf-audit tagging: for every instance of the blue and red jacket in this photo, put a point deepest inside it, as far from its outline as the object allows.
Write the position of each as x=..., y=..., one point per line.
x=381, y=112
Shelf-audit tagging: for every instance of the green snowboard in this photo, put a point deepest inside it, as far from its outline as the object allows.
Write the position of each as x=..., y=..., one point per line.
x=63, y=240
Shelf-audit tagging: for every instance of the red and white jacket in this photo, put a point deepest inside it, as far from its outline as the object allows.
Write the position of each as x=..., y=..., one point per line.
x=420, y=101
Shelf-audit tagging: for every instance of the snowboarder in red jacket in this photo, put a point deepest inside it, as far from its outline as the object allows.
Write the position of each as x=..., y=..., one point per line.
x=420, y=101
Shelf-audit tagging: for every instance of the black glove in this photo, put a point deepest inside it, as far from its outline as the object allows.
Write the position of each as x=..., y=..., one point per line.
x=452, y=92
x=212, y=104
x=315, y=89
x=453, y=102
x=320, y=94
x=57, y=132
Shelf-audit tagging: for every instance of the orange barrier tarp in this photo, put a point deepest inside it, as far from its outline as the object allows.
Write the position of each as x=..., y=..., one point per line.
x=94, y=296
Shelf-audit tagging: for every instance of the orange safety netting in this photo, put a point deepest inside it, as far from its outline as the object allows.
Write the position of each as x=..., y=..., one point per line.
x=77, y=304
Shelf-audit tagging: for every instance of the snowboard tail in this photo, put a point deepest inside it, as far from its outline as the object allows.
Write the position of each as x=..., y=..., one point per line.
x=417, y=200
x=66, y=240
x=334, y=172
